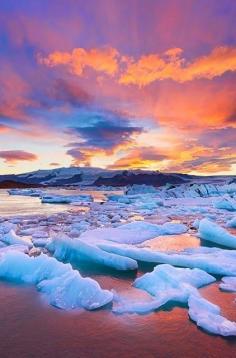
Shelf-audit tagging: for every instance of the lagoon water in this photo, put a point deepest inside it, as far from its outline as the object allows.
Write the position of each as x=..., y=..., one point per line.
x=30, y=328
x=11, y=205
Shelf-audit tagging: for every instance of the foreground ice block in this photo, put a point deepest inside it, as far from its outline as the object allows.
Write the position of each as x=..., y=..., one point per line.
x=63, y=287
x=166, y=283
x=228, y=284
x=210, y=231
x=212, y=260
x=208, y=317
x=166, y=277
x=74, y=250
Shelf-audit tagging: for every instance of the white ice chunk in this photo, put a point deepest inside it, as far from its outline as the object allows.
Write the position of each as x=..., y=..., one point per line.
x=15, y=247
x=11, y=238
x=26, y=192
x=66, y=199
x=6, y=226
x=74, y=250
x=207, y=316
x=232, y=222
x=228, y=284
x=166, y=283
x=132, y=233
x=166, y=277
x=40, y=234
x=195, y=224
x=212, y=260
x=210, y=231
x=64, y=287
x=226, y=204
x=141, y=189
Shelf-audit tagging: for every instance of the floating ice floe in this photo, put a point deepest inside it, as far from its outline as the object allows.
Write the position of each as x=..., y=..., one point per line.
x=226, y=204
x=63, y=287
x=119, y=198
x=186, y=190
x=212, y=260
x=26, y=192
x=66, y=199
x=74, y=250
x=141, y=189
x=6, y=226
x=210, y=231
x=11, y=238
x=207, y=316
x=15, y=247
x=228, y=284
x=133, y=233
x=232, y=222
x=165, y=283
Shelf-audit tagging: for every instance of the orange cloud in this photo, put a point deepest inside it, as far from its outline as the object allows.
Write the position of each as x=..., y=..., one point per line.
x=150, y=68
x=101, y=60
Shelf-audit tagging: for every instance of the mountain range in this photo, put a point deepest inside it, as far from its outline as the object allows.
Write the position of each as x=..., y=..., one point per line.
x=88, y=176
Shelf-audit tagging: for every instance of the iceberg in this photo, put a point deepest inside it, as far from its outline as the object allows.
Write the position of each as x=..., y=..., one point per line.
x=212, y=260
x=141, y=189
x=166, y=277
x=166, y=283
x=210, y=231
x=123, y=199
x=64, y=287
x=132, y=233
x=207, y=316
x=225, y=204
x=26, y=192
x=232, y=222
x=11, y=238
x=6, y=226
x=66, y=199
x=74, y=250
x=228, y=284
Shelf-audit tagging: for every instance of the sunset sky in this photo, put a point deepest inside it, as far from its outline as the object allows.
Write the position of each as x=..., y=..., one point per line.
x=118, y=84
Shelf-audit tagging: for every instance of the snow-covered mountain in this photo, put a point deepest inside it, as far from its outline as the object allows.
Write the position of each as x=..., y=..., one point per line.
x=99, y=177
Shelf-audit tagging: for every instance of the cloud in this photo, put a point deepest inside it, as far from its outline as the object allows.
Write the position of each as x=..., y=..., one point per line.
x=219, y=138
x=171, y=65
x=66, y=92
x=103, y=129
x=3, y=128
x=14, y=94
x=100, y=132
x=99, y=59
x=14, y=156
x=142, y=157
x=54, y=164
x=211, y=164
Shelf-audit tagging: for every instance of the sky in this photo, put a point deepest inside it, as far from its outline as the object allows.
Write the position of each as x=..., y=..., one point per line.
x=118, y=84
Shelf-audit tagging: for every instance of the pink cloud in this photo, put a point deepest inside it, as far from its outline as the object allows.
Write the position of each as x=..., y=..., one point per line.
x=14, y=156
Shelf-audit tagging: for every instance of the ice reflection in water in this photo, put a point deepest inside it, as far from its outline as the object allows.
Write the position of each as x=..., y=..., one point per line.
x=171, y=242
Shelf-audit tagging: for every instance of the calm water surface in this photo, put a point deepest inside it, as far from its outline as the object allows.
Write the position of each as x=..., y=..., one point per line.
x=30, y=328
x=25, y=205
